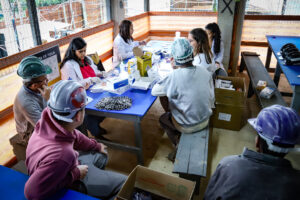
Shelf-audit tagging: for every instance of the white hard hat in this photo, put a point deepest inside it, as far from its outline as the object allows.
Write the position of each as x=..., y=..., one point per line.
x=67, y=97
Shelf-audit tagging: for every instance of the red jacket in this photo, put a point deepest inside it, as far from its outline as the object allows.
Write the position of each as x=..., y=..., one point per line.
x=51, y=159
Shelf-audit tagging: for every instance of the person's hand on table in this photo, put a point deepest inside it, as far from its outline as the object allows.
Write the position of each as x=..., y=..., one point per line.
x=104, y=74
x=87, y=85
x=96, y=80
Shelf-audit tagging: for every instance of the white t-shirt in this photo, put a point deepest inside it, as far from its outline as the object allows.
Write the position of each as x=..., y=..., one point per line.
x=188, y=93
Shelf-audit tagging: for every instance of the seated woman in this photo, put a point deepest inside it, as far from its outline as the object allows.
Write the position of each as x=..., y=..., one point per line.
x=217, y=47
x=79, y=67
x=203, y=56
x=124, y=44
x=188, y=96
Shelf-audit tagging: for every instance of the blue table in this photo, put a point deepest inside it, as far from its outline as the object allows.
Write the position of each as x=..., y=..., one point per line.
x=141, y=103
x=12, y=187
x=291, y=72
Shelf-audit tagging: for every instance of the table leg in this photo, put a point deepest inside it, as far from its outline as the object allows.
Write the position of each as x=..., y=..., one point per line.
x=138, y=141
x=268, y=59
x=277, y=74
x=296, y=98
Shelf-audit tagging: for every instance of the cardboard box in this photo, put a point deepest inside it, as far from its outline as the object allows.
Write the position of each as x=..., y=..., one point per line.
x=232, y=97
x=157, y=183
x=230, y=105
x=228, y=117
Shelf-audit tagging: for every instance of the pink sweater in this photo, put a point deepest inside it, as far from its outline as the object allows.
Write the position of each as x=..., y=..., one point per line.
x=51, y=159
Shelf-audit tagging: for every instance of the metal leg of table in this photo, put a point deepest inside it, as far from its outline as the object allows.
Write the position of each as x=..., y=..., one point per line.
x=278, y=71
x=296, y=98
x=268, y=59
x=138, y=141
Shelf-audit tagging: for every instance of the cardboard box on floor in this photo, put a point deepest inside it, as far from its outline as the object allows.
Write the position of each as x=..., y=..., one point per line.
x=231, y=97
x=157, y=183
x=230, y=105
x=228, y=117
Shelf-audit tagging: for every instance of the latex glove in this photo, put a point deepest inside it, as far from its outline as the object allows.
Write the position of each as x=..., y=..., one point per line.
x=87, y=85
x=45, y=92
x=95, y=79
x=104, y=74
x=83, y=170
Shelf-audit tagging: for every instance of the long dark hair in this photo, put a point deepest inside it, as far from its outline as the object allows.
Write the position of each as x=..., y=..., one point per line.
x=76, y=44
x=202, y=43
x=216, y=35
x=124, y=29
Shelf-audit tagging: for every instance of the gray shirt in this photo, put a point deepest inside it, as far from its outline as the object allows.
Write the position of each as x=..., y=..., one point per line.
x=28, y=107
x=254, y=175
x=189, y=94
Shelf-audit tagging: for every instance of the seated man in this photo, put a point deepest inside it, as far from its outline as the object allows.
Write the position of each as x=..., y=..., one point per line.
x=51, y=158
x=186, y=89
x=264, y=174
x=30, y=100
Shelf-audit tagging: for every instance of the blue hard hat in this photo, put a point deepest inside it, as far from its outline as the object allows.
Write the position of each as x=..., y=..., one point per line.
x=277, y=124
x=67, y=96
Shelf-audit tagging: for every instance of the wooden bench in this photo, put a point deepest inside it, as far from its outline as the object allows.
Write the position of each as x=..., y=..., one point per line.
x=257, y=71
x=12, y=187
x=191, y=158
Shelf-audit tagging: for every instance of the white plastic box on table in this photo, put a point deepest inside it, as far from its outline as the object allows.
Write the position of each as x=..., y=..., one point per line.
x=117, y=85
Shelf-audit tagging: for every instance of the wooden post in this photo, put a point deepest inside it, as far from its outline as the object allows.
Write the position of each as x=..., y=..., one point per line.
x=85, y=21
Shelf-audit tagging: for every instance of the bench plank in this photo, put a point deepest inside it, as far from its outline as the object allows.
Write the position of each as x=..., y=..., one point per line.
x=191, y=157
x=257, y=71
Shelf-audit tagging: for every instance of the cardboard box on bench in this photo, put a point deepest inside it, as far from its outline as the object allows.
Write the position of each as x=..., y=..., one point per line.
x=157, y=183
x=230, y=105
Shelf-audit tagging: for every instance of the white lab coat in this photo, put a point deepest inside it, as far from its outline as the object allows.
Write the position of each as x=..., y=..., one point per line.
x=122, y=50
x=71, y=70
x=200, y=61
x=219, y=56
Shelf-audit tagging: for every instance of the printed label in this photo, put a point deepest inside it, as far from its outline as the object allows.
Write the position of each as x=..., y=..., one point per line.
x=224, y=117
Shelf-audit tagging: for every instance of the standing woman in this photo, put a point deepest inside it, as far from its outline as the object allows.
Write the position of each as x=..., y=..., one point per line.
x=79, y=67
x=217, y=47
x=203, y=56
x=123, y=43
